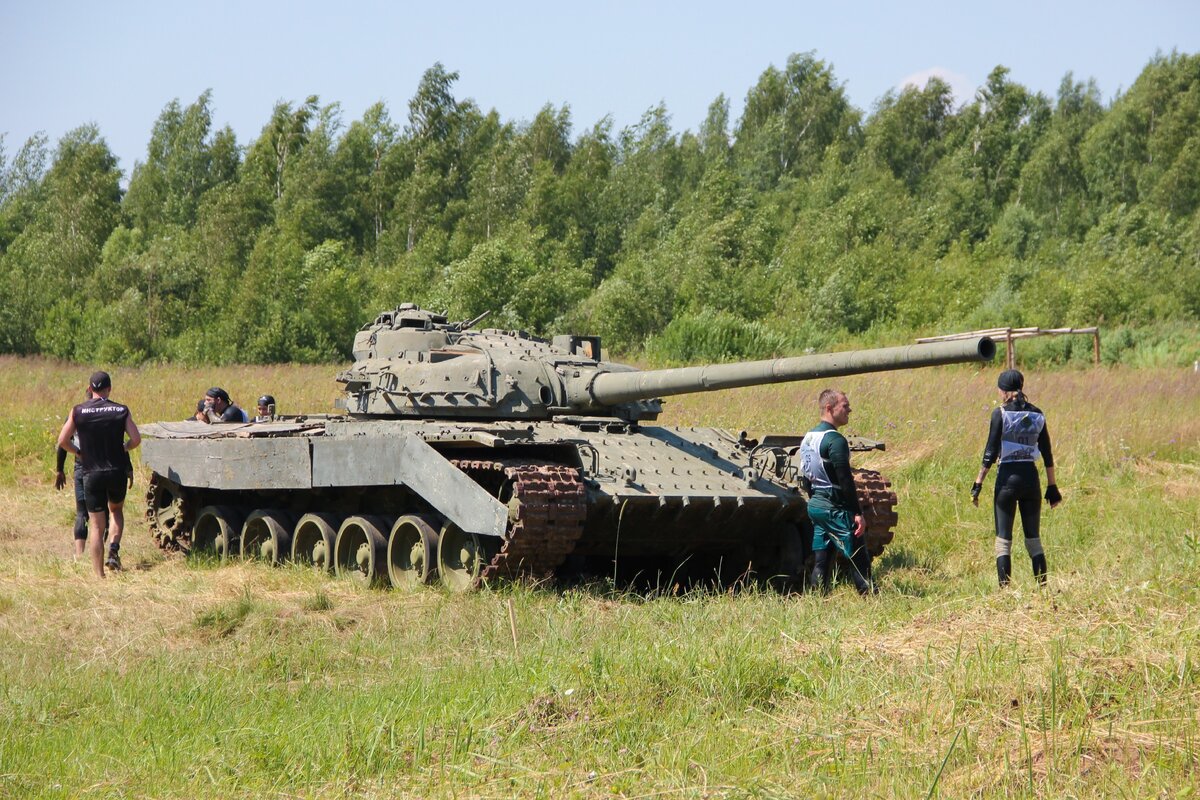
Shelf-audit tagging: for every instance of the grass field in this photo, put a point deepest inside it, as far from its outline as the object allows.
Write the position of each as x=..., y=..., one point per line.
x=179, y=678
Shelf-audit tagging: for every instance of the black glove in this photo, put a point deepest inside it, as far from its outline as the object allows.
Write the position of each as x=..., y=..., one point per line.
x=976, y=488
x=1053, y=496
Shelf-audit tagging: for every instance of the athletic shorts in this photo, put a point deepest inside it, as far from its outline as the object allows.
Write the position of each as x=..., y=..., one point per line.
x=102, y=488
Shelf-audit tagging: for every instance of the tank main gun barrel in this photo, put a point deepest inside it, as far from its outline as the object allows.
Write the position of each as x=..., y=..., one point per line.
x=612, y=388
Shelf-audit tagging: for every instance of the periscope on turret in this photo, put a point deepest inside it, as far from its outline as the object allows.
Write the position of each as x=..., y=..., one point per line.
x=465, y=455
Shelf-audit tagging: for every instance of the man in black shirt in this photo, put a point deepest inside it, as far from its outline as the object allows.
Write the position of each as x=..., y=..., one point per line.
x=81, y=512
x=219, y=408
x=103, y=449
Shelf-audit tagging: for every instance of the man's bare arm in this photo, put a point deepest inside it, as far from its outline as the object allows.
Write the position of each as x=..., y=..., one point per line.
x=64, y=436
x=135, y=436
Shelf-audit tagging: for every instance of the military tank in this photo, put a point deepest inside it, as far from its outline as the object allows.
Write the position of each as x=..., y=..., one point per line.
x=468, y=455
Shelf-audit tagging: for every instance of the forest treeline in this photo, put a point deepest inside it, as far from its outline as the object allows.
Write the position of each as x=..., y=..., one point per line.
x=803, y=223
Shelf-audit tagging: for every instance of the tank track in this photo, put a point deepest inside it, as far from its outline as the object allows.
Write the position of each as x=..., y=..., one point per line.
x=878, y=503
x=172, y=531
x=547, y=510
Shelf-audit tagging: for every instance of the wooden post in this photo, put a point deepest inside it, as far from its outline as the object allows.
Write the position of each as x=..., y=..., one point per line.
x=1010, y=353
x=1096, y=346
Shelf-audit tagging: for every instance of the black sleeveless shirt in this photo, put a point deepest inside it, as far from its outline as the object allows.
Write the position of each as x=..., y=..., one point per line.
x=101, y=427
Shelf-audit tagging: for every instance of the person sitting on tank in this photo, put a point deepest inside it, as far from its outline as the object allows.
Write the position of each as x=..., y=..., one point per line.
x=218, y=407
x=266, y=408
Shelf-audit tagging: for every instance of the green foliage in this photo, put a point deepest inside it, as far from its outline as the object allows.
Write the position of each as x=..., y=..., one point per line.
x=1150, y=137
x=522, y=285
x=1148, y=345
x=713, y=336
x=791, y=117
x=802, y=215
x=630, y=305
x=184, y=159
x=77, y=207
x=908, y=131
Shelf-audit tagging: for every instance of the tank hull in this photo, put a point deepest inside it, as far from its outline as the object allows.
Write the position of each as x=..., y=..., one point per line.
x=590, y=496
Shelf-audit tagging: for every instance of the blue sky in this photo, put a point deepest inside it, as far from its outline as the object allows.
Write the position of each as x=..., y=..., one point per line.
x=118, y=63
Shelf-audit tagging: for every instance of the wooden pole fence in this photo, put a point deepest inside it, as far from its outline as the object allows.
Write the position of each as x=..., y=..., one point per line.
x=1010, y=335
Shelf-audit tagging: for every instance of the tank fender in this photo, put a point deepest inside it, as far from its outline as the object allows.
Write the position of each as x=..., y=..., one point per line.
x=229, y=463
x=407, y=460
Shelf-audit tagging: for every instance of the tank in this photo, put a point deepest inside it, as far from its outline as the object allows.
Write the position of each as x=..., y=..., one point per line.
x=466, y=455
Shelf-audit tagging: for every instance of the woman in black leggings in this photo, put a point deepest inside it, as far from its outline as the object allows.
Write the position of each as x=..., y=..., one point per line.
x=1018, y=437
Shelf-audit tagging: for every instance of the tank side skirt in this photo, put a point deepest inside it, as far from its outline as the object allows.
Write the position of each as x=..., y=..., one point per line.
x=231, y=464
x=409, y=461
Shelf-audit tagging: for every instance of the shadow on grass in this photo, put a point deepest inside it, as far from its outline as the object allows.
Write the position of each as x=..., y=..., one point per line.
x=225, y=618
x=902, y=558
x=909, y=574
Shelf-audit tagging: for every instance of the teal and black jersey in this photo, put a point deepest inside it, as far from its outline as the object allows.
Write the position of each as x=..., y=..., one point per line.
x=825, y=462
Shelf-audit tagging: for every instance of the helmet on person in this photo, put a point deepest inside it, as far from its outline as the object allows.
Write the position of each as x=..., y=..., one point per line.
x=266, y=400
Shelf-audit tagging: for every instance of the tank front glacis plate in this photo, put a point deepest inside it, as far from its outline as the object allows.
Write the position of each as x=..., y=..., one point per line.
x=673, y=462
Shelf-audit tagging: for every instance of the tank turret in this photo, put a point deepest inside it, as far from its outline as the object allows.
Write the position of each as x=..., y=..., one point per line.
x=414, y=363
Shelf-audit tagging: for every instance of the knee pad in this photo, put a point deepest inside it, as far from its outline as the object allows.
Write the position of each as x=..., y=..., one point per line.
x=1003, y=546
x=1034, y=545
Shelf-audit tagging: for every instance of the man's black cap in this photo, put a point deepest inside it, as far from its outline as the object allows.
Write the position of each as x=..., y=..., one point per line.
x=266, y=400
x=217, y=393
x=1010, y=380
x=100, y=381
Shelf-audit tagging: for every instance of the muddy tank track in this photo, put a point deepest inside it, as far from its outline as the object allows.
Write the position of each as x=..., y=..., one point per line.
x=878, y=503
x=171, y=524
x=547, y=509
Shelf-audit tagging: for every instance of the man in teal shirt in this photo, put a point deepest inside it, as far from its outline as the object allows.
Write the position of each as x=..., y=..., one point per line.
x=836, y=516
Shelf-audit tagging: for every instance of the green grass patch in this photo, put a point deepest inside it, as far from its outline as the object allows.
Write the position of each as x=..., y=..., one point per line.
x=226, y=617
x=188, y=678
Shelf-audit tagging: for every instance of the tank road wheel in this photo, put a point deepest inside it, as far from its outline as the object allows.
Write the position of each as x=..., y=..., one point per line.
x=412, y=551
x=462, y=557
x=878, y=503
x=267, y=534
x=169, y=513
x=361, y=549
x=313, y=540
x=216, y=531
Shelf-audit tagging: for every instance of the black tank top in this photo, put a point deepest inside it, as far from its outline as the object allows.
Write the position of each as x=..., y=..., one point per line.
x=101, y=427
